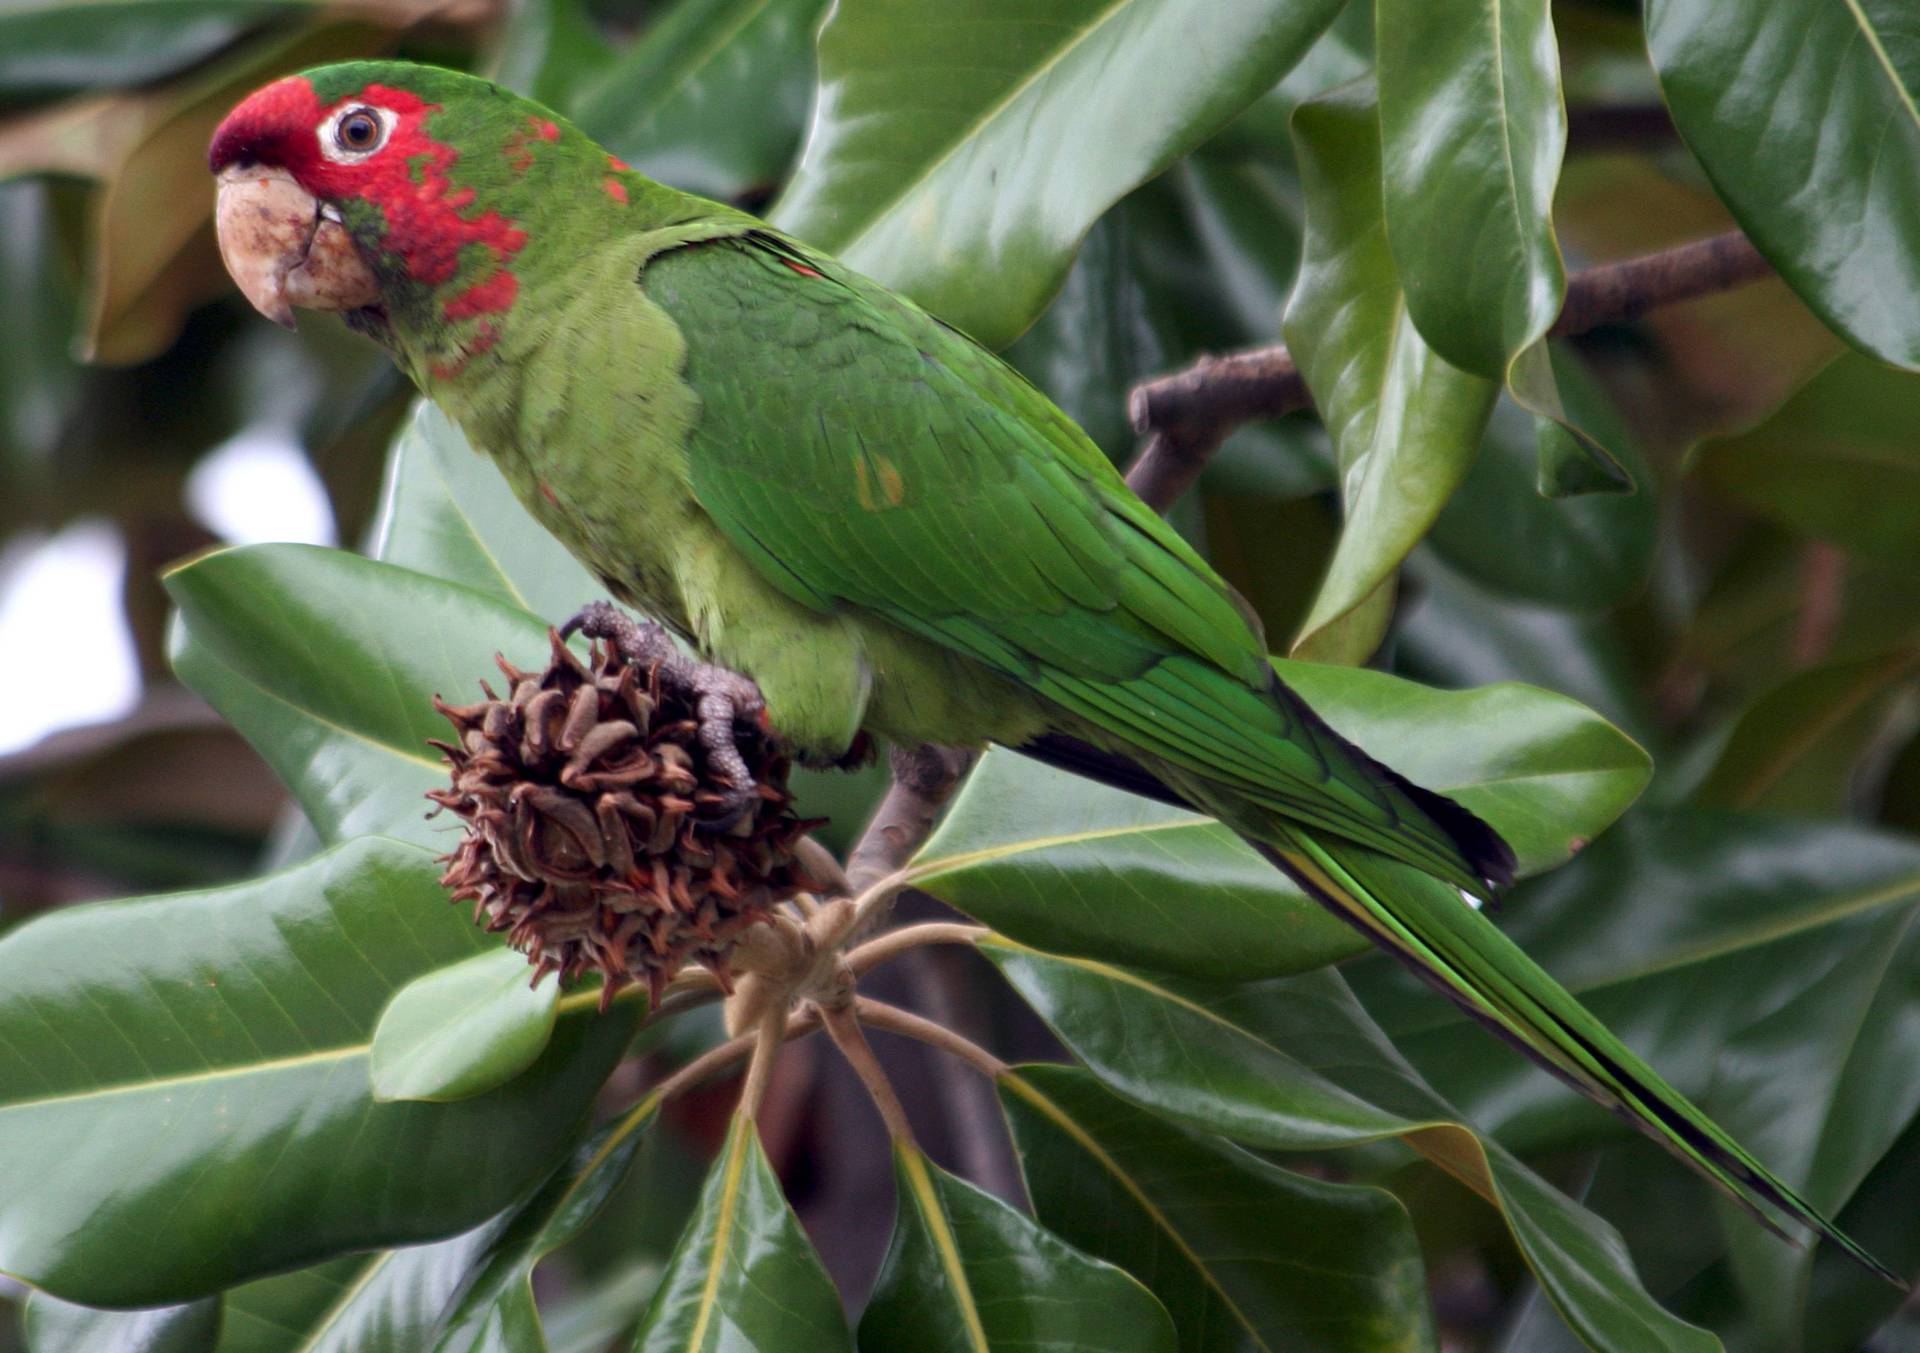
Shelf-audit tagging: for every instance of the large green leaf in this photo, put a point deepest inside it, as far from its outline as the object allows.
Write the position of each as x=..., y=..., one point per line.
x=1839, y=461
x=743, y=1275
x=495, y=1311
x=462, y=1029
x=327, y=663
x=965, y=1273
x=191, y=1106
x=384, y=1299
x=1455, y=632
x=1085, y=869
x=1806, y=115
x=1405, y=422
x=1219, y=1066
x=50, y=47
x=959, y=152
x=1471, y=131
x=549, y=50
x=1247, y=1255
x=712, y=98
x=1766, y=966
x=1585, y=553
x=57, y=1326
x=1805, y=746
x=446, y=510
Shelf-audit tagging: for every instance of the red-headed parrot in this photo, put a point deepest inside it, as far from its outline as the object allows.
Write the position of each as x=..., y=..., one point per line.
x=820, y=486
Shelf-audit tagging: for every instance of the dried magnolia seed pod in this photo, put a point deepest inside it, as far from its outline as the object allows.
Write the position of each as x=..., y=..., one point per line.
x=581, y=791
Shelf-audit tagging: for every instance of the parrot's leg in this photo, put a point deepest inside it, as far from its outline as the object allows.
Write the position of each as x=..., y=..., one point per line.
x=722, y=696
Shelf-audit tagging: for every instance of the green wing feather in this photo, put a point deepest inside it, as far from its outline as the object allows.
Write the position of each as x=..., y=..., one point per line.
x=864, y=455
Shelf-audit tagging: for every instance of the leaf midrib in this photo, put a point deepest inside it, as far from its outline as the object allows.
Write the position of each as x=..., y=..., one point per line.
x=266, y=1067
x=1880, y=55
x=1088, y=1143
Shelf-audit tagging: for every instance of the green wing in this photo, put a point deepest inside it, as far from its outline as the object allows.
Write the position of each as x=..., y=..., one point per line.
x=863, y=454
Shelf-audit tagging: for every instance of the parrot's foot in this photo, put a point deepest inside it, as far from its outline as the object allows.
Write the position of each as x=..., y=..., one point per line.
x=723, y=697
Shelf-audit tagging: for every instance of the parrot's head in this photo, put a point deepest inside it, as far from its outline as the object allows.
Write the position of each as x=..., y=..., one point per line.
x=403, y=194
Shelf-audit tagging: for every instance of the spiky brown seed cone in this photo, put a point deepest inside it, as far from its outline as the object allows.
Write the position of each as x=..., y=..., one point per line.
x=580, y=791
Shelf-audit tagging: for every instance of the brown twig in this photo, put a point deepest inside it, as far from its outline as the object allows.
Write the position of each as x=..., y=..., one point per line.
x=1185, y=416
x=895, y=1020
x=723, y=1055
x=844, y=1029
x=1613, y=293
x=883, y=947
x=766, y=1046
x=923, y=780
x=1614, y=126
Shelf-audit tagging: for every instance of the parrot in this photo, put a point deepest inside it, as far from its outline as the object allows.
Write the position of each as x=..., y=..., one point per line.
x=865, y=524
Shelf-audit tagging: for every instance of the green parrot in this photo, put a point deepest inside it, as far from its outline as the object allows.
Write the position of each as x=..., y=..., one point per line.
x=820, y=486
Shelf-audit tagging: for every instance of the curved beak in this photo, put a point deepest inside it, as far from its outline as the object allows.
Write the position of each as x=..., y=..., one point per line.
x=283, y=248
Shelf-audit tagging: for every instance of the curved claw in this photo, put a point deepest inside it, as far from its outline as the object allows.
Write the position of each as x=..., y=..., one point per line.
x=722, y=696
x=717, y=710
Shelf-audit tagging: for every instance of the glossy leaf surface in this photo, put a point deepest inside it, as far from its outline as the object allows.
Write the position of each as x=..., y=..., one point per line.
x=462, y=1029
x=1472, y=130
x=494, y=1311
x=328, y=663
x=1806, y=745
x=743, y=1275
x=209, y=1084
x=1085, y=869
x=57, y=1326
x=386, y=1299
x=966, y=1273
x=1405, y=422
x=712, y=98
x=1296, y=1066
x=51, y=47
x=959, y=154
x=1584, y=553
x=1249, y=1255
x=447, y=511
x=1806, y=115
x=1839, y=461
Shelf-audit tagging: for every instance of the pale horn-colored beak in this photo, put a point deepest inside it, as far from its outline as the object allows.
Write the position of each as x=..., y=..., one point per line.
x=284, y=249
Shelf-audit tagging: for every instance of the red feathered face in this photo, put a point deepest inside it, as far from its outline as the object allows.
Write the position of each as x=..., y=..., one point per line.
x=296, y=154
x=283, y=158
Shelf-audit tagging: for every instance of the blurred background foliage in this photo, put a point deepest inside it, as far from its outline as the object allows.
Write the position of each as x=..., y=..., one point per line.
x=1748, y=615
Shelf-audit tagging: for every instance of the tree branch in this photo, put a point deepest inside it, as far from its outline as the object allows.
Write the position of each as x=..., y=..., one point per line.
x=1185, y=416
x=923, y=780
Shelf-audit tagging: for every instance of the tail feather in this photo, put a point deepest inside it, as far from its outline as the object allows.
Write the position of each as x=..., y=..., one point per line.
x=1425, y=923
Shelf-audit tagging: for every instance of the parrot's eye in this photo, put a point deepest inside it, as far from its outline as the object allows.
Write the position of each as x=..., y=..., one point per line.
x=357, y=131
x=354, y=133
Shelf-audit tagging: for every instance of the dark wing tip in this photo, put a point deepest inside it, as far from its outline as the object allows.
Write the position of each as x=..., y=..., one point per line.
x=1486, y=854
x=1485, y=850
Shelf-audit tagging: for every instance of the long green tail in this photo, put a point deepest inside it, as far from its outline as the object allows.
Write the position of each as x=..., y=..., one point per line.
x=1426, y=924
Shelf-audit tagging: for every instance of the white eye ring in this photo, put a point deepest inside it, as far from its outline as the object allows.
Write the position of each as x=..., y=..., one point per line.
x=338, y=131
